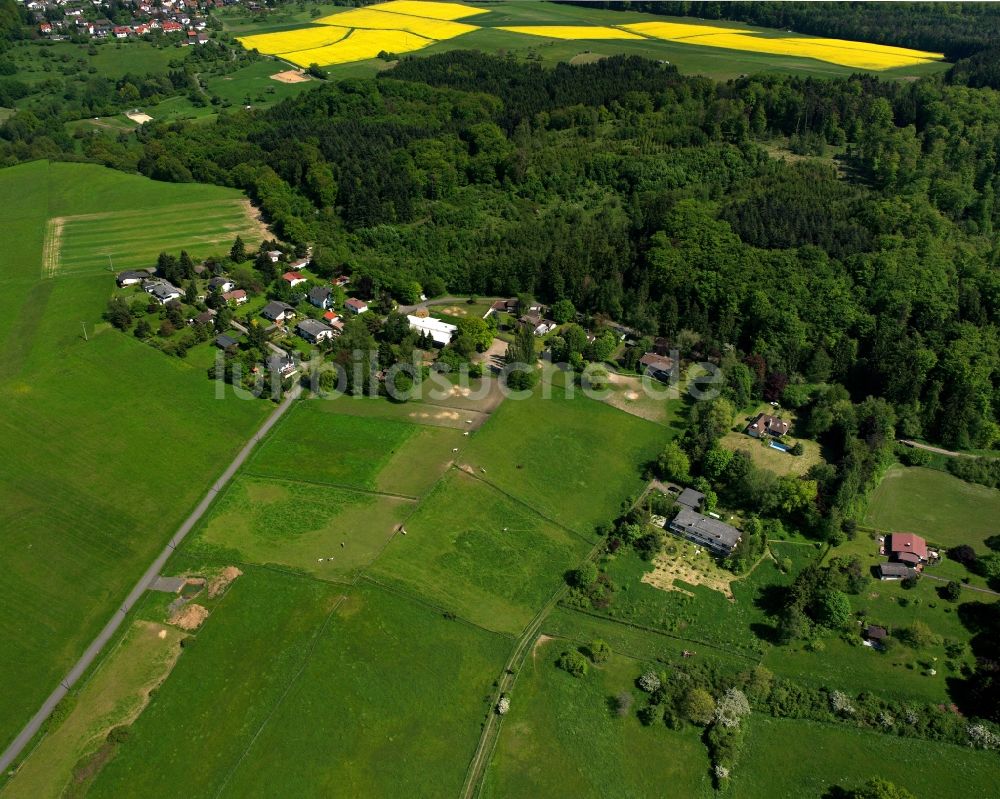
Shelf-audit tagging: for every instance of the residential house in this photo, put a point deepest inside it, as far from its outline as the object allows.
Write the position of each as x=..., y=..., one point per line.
x=764, y=425
x=121, y=31
x=690, y=499
x=713, y=534
x=341, y=280
x=131, y=277
x=356, y=306
x=300, y=263
x=313, y=331
x=163, y=292
x=539, y=325
x=501, y=306
x=203, y=318
x=274, y=255
x=239, y=296
x=284, y=365
x=277, y=311
x=226, y=343
x=906, y=548
x=657, y=366
x=169, y=26
x=294, y=279
x=321, y=297
x=222, y=284
x=45, y=28
x=895, y=571
x=440, y=332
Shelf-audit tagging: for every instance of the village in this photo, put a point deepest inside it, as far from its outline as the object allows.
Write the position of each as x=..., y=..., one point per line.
x=184, y=20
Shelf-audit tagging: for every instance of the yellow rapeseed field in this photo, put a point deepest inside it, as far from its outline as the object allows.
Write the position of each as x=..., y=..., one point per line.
x=288, y=41
x=424, y=8
x=858, y=55
x=574, y=32
x=359, y=46
x=388, y=21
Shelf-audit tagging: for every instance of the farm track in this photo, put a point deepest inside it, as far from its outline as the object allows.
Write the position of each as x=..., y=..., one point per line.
x=32, y=728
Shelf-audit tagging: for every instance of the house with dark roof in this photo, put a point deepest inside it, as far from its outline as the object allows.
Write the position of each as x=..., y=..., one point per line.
x=284, y=365
x=222, y=284
x=163, y=292
x=224, y=342
x=659, y=367
x=321, y=297
x=715, y=535
x=691, y=499
x=277, y=311
x=313, y=331
x=203, y=318
x=895, y=571
x=131, y=277
x=764, y=425
x=906, y=548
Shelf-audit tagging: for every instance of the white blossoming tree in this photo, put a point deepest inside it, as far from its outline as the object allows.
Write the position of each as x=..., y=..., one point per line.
x=731, y=708
x=503, y=705
x=841, y=703
x=649, y=682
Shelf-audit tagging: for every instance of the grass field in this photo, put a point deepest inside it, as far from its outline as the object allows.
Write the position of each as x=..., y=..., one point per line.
x=132, y=438
x=479, y=554
x=940, y=507
x=114, y=695
x=787, y=759
x=205, y=716
x=325, y=531
x=571, y=459
x=561, y=739
x=389, y=704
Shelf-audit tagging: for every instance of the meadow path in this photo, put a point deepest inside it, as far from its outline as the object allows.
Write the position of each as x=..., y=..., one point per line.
x=92, y=651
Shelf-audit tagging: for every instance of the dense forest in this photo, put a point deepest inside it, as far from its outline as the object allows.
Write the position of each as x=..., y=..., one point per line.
x=955, y=29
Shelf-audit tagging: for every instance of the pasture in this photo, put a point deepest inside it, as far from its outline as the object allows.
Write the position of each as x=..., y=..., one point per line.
x=561, y=739
x=936, y=505
x=132, y=438
x=479, y=554
x=571, y=459
x=325, y=531
x=389, y=704
x=205, y=716
x=786, y=759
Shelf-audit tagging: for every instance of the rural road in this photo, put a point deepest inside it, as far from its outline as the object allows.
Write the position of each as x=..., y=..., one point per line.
x=92, y=651
x=407, y=309
x=939, y=450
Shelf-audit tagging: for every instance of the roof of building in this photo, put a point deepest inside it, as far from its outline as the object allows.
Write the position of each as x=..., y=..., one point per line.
x=275, y=308
x=766, y=423
x=290, y=276
x=440, y=331
x=896, y=570
x=165, y=291
x=659, y=362
x=278, y=362
x=689, y=498
x=133, y=274
x=313, y=327
x=225, y=342
x=235, y=294
x=319, y=293
x=204, y=317
x=354, y=302
x=708, y=527
x=907, y=543
x=331, y=316
x=219, y=281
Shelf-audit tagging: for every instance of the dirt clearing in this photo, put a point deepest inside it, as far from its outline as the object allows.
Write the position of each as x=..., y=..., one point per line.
x=218, y=584
x=691, y=568
x=291, y=76
x=190, y=617
x=139, y=117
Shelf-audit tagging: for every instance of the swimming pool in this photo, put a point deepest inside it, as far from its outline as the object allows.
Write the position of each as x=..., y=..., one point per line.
x=782, y=447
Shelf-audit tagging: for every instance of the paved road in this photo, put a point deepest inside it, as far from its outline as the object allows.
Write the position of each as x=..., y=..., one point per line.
x=92, y=651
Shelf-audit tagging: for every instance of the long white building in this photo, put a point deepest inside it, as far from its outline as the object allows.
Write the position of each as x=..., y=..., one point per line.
x=440, y=331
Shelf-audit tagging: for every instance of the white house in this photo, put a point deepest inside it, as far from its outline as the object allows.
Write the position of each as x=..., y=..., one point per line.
x=356, y=306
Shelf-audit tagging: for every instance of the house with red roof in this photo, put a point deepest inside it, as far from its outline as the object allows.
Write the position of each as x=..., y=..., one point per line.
x=294, y=279
x=239, y=296
x=906, y=548
x=169, y=26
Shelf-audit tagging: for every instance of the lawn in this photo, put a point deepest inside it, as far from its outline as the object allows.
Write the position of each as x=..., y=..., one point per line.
x=767, y=457
x=786, y=759
x=114, y=694
x=224, y=688
x=133, y=438
x=479, y=554
x=389, y=704
x=574, y=460
x=561, y=739
x=328, y=532
x=940, y=507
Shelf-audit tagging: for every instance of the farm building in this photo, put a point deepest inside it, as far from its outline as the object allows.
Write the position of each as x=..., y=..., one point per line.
x=895, y=571
x=440, y=332
x=277, y=311
x=274, y=256
x=717, y=536
x=764, y=425
x=906, y=548
x=875, y=633
x=313, y=331
x=356, y=306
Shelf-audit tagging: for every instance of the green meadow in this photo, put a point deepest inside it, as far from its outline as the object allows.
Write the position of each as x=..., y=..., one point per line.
x=132, y=437
x=479, y=554
x=940, y=507
x=560, y=737
x=793, y=759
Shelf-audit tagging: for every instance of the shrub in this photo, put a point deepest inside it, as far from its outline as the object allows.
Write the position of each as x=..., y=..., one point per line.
x=952, y=591
x=699, y=706
x=622, y=704
x=573, y=662
x=963, y=554
x=649, y=682
x=599, y=651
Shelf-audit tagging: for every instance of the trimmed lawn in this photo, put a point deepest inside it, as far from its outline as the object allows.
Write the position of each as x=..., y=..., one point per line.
x=940, y=507
x=561, y=739
x=389, y=704
x=205, y=716
x=786, y=759
x=479, y=554
x=574, y=460
x=132, y=437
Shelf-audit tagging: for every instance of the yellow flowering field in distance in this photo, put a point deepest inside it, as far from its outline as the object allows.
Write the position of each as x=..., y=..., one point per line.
x=574, y=32
x=359, y=46
x=424, y=8
x=287, y=41
x=386, y=21
x=676, y=30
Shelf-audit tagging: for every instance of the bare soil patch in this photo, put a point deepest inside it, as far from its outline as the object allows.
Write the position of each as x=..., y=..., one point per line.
x=52, y=246
x=254, y=217
x=291, y=76
x=688, y=568
x=586, y=58
x=138, y=116
x=540, y=641
x=190, y=617
x=218, y=584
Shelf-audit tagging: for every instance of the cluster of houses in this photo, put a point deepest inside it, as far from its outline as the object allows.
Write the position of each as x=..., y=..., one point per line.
x=906, y=555
x=533, y=316
x=708, y=531
x=59, y=18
